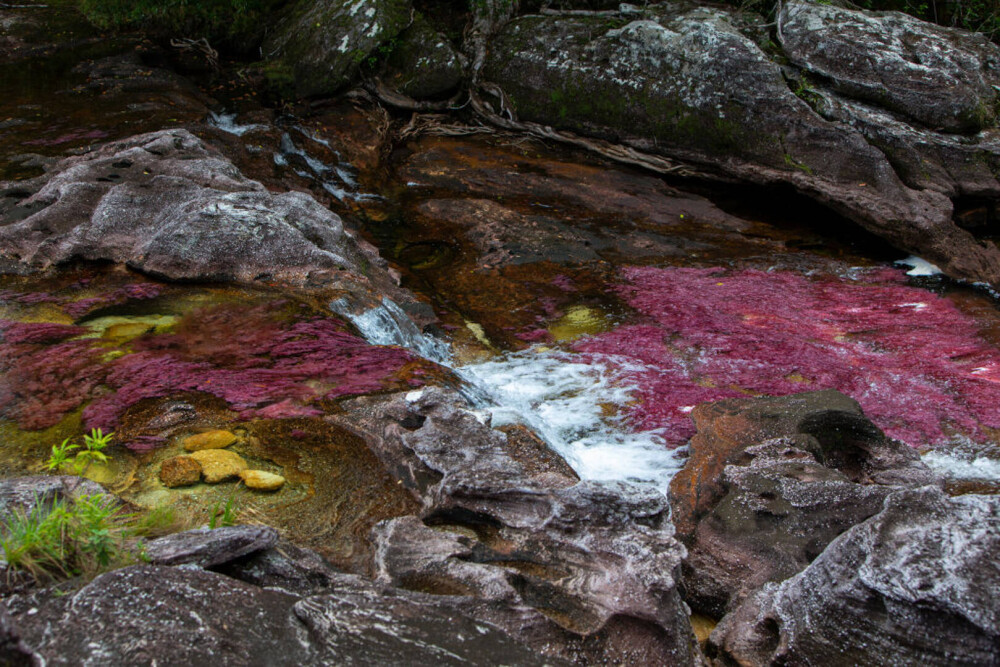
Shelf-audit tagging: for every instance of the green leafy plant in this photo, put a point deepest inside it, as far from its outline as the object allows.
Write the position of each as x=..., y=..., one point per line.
x=94, y=445
x=224, y=517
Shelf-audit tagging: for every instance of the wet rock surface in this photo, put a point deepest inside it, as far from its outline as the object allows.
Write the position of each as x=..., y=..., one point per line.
x=913, y=582
x=688, y=83
x=771, y=482
x=595, y=563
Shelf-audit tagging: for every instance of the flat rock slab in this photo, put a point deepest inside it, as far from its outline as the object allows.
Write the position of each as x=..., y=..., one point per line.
x=207, y=547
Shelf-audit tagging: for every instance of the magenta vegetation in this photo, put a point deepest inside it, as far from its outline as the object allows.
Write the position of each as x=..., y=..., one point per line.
x=915, y=363
x=265, y=361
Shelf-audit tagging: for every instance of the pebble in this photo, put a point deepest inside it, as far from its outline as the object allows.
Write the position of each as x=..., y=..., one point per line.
x=209, y=440
x=261, y=480
x=218, y=465
x=180, y=471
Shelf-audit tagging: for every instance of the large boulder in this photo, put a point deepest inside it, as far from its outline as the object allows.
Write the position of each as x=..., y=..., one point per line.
x=183, y=616
x=772, y=481
x=325, y=42
x=914, y=585
x=691, y=84
x=168, y=205
x=936, y=76
x=580, y=570
x=423, y=64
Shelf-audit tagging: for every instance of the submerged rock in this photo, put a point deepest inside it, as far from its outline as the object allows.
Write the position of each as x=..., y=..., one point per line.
x=688, y=83
x=915, y=584
x=218, y=465
x=209, y=440
x=260, y=480
x=770, y=482
x=166, y=204
x=180, y=471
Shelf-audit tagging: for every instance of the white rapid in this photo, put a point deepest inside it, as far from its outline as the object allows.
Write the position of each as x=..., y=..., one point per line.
x=575, y=405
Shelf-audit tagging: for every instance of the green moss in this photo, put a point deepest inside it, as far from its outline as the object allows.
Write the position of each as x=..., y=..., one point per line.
x=792, y=162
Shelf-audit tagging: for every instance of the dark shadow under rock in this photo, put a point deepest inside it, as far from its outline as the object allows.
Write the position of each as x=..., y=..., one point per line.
x=914, y=585
x=771, y=482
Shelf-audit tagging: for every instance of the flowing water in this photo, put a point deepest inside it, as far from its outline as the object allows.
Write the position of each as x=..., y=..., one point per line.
x=593, y=303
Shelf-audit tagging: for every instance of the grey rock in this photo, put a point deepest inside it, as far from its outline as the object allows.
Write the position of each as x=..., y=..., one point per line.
x=24, y=494
x=286, y=566
x=423, y=64
x=914, y=585
x=578, y=570
x=148, y=615
x=184, y=616
x=166, y=204
x=206, y=547
x=689, y=84
x=325, y=42
x=771, y=481
x=940, y=77
x=360, y=624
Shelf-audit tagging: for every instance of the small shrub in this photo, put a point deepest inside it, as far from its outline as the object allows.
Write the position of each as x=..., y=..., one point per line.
x=66, y=539
x=94, y=445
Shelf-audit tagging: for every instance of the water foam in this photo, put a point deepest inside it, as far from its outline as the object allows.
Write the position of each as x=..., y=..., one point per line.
x=961, y=466
x=572, y=402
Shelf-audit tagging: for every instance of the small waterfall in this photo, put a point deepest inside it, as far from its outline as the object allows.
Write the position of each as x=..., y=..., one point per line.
x=574, y=404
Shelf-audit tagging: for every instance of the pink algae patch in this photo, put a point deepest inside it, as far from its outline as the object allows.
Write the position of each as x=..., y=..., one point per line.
x=914, y=362
x=259, y=364
x=271, y=360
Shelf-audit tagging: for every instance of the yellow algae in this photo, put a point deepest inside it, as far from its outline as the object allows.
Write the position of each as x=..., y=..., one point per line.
x=479, y=333
x=124, y=328
x=579, y=321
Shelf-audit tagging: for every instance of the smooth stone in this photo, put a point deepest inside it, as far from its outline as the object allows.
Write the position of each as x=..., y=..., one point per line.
x=218, y=465
x=209, y=440
x=261, y=480
x=180, y=471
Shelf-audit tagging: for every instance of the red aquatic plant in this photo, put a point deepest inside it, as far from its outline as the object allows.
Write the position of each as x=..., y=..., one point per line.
x=915, y=362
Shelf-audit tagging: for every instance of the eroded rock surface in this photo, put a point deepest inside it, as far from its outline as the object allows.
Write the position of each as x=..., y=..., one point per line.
x=690, y=84
x=166, y=204
x=24, y=494
x=771, y=482
x=914, y=585
x=579, y=570
x=206, y=547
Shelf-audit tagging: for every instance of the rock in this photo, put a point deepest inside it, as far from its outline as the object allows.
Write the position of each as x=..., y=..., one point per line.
x=261, y=480
x=937, y=76
x=770, y=482
x=23, y=494
x=152, y=614
x=166, y=204
x=286, y=566
x=209, y=440
x=180, y=471
x=581, y=571
x=184, y=616
x=914, y=584
x=323, y=43
x=218, y=465
x=687, y=83
x=13, y=651
x=423, y=64
x=206, y=547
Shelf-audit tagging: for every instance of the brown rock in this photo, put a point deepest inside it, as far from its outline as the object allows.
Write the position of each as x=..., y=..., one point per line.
x=218, y=465
x=261, y=480
x=180, y=471
x=771, y=482
x=209, y=440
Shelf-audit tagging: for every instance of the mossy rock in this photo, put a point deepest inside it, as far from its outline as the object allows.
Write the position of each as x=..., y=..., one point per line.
x=325, y=42
x=422, y=63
